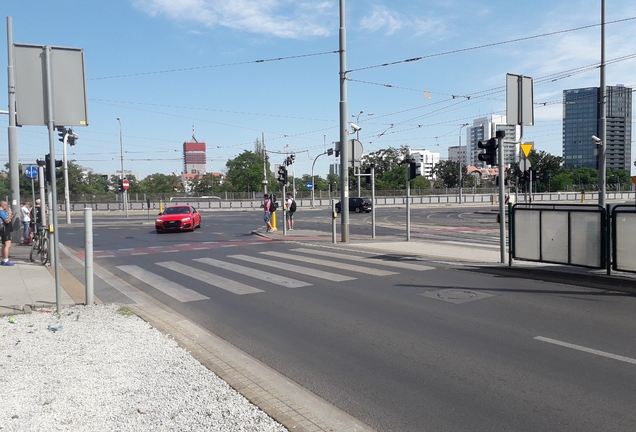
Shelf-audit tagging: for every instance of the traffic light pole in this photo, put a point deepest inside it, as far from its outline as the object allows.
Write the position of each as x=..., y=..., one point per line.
x=344, y=132
x=54, y=252
x=66, y=194
x=502, y=190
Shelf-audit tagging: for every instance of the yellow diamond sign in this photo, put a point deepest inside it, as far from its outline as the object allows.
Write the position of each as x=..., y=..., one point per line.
x=526, y=149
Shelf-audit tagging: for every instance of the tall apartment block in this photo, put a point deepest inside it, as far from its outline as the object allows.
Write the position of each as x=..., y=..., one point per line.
x=581, y=120
x=485, y=128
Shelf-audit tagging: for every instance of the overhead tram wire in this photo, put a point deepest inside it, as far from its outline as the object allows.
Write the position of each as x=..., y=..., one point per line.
x=215, y=66
x=414, y=59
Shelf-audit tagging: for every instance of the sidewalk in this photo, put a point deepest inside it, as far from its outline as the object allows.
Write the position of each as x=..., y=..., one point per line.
x=28, y=285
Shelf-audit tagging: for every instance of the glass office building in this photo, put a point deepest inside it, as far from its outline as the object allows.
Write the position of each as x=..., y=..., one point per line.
x=581, y=120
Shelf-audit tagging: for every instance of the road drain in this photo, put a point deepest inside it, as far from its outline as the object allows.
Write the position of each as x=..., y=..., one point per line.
x=456, y=296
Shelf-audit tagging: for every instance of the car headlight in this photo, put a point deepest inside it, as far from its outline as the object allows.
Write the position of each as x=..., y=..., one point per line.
x=185, y=219
x=159, y=221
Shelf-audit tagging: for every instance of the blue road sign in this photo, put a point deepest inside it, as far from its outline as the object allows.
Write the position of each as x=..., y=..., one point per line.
x=31, y=171
x=309, y=185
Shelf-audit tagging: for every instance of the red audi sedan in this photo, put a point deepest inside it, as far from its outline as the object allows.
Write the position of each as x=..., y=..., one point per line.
x=178, y=218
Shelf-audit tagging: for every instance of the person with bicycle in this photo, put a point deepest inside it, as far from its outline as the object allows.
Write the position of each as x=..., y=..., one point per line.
x=7, y=231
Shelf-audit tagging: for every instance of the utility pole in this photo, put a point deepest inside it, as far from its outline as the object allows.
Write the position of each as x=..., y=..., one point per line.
x=344, y=131
x=602, y=161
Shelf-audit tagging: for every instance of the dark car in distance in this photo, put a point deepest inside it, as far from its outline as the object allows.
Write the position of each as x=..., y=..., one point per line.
x=178, y=218
x=358, y=205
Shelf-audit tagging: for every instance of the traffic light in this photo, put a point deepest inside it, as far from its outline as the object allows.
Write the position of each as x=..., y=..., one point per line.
x=336, y=149
x=48, y=175
x=282, y=174
x=62, y=132
x=368, y=175
x=329, y=152
x=72, y=137
x=414, y=170
x=120, y=188
x=490, y=155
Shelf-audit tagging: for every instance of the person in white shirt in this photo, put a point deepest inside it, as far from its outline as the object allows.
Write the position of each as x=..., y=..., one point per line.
x=291, y=209
x=25, y=211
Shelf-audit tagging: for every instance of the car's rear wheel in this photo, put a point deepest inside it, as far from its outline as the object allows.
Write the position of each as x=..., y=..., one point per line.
x=358, y=210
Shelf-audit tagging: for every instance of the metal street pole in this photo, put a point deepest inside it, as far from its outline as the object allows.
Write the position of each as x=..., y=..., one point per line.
x=66, y=194
x=121, y=149
x=461, y=200
x=264, y=164
x=502, y=193
x=602, y=171
x=344, y=132
x=14, y=174
x=313, y=186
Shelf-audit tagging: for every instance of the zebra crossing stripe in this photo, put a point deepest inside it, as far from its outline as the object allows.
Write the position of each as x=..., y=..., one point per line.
x=333, y=264
x=293, y=268
x=174, y=290
x=372, y=261
x=247, y=271
x=210, y=278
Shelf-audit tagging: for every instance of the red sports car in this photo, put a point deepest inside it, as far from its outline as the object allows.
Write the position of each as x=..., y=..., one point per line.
x=178, y=218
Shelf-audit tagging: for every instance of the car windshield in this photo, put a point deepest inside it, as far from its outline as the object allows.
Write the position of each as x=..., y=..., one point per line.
x=176, y=210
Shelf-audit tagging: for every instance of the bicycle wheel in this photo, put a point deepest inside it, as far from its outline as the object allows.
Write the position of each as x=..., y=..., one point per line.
x=35, y=249
x=44, y=251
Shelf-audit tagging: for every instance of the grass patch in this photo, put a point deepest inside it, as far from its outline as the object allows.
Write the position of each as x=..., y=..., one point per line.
x=124, y=311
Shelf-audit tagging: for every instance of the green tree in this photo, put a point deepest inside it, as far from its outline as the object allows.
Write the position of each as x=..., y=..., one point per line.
x=447, y=173
x=245, y=172
x=155, y=183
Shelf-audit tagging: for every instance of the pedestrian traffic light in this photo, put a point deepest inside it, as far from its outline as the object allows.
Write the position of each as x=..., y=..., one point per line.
x=282, y=174
x=48, y=175
x=490, y=155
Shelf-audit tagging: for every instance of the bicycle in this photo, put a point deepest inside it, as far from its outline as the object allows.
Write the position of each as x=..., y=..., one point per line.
x=40, y=248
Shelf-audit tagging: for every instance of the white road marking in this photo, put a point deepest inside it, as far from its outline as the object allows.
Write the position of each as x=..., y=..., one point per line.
x=587, y=350
x=294, y=268
x=210, y=278
x=248, y=271
x=372, y=261
x=174, y=290
x=333, y=264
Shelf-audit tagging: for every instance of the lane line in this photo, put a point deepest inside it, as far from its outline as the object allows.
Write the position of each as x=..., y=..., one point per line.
x=294, y=268
x=372, y=261
x=249, y=271
x=166, y=286
x=587, y=350
x=332, y=264
x=210, y=278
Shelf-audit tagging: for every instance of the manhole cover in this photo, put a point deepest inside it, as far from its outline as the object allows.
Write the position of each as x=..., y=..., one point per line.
x=456, y=296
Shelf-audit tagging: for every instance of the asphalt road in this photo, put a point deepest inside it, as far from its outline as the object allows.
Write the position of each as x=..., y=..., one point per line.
x=420, y=347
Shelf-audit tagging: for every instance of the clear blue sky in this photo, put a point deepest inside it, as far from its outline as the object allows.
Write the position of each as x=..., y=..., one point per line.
x=164, y=66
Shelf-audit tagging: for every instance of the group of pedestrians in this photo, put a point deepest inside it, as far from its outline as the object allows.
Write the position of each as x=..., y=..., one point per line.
x=28, y=214
x=269, y=208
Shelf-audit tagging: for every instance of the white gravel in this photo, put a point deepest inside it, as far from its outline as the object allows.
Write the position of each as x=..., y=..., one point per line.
x=107, y=369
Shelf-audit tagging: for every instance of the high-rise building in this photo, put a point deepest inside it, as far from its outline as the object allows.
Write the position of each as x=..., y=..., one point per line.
x=485, y=128
x=581, y=120
x=194, y=160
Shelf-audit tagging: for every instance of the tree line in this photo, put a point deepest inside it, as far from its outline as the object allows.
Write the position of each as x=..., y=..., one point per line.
x=244, y=174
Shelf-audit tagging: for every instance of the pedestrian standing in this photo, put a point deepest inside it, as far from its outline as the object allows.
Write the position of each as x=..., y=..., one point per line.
x=6, y=217
x=25, y=211
x=290, y=205
x=267, y=214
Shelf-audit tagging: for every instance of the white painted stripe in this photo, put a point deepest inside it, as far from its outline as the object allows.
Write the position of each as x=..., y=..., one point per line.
x=168, y=251
x=248, y=271
x=139, y=253
x=587, y=350
x=200, y=248
x=182, y=244
x=106, y=256
x=174, y=290
x=332, y=264
x=372, y=261
x=294, y=268
x=210, y=278
x=229, y=245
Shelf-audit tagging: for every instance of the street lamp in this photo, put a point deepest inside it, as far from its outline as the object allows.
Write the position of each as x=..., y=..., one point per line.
x=121, y=149
x=357, y=129
x=459, y=154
